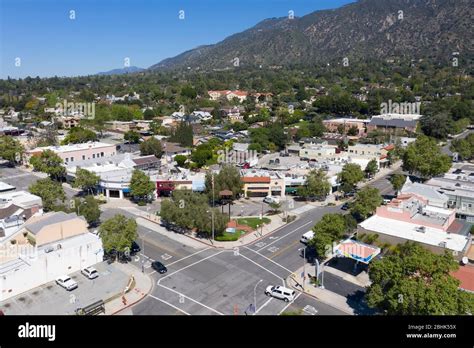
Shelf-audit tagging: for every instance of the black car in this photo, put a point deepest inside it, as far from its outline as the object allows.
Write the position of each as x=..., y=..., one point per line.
x=345, y=206
x=159, y=267
x=134, y=248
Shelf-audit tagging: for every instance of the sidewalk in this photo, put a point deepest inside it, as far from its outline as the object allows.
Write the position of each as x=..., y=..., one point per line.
x=330, y=298
x=152, y=222
x=140, y=285
x=361, y=280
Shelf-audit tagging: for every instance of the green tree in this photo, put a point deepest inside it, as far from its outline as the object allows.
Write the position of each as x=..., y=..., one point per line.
x=180, y=160
x=11, y=149
x=141, y=187
x=132, y=137
x=50, y=192
x=350, y=175
x=89, y=208
x=228, y=178
x=397, y=180
x=424, y=158
x=86, y=180
x=190, y=210
x=415, y=281
x=79, y=135
x=331, y=228
x=152, y=146
x=316, y=185
x=183, y=134
x=464, y=147
x=275, y=207
x=366, y=201
x=50, y=163
x=371, y=168
x=118, y=233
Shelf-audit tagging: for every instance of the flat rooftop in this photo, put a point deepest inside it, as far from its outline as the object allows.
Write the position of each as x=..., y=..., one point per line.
x=408, y=231
x=74, y=147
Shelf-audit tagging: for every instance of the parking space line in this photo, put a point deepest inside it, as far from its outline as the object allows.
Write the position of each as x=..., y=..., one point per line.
x=169, y=304
x=191, y=299
x=286, y=269
x=245, y=257
x=290, y=303
x=286, y=235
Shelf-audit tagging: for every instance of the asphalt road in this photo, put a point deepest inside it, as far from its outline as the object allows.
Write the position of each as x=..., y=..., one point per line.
x=209, y=281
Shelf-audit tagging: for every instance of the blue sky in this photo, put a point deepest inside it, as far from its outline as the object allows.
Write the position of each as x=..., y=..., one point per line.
x=105, y=32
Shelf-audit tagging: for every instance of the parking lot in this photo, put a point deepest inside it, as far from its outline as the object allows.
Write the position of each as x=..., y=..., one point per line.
x=51, y=299
x=22, y=179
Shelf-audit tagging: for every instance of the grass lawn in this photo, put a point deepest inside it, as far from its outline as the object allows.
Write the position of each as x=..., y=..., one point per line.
x=253, y=221
x=230, y=237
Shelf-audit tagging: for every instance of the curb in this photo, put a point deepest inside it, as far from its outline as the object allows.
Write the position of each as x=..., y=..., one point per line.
x=317, y=298
x=135, y=302
x=241, y=245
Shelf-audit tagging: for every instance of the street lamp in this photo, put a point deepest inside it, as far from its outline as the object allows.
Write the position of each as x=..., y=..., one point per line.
x=255, y=294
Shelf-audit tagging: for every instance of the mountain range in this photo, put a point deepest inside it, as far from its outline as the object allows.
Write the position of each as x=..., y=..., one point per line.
x=364, y=30
x=127, y=70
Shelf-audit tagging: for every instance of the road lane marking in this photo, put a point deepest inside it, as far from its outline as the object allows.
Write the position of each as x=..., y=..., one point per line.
x=245, y=257
x=191, y=299
x=286, y=235
x=172, y=263
x=273, y=249
x=289, y=303
x=169, y=304
x=184, y=258
x=256, y=252
x=262, y=306
x=284, y=249
x=194, y=263
x=166, y=257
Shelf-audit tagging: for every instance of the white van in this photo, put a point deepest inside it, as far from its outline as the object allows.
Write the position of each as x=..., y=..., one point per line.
x=280, y=292
x=305, y=238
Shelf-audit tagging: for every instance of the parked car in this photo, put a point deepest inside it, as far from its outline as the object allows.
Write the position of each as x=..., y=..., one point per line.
x=90, y=272
x=159, y=267
x=280, y=292
x=345, y=206
x=134, y=248
x=271, y=199
x=66, y=282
